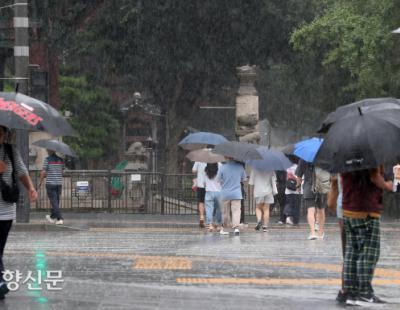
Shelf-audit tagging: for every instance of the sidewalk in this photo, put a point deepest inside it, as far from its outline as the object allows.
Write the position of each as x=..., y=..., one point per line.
x=87, y=220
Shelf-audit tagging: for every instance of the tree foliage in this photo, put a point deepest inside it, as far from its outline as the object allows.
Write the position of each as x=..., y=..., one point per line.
x=355, y=37
x=93, y=118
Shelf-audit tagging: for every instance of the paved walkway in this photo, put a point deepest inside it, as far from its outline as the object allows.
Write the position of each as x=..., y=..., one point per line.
x=116, y=261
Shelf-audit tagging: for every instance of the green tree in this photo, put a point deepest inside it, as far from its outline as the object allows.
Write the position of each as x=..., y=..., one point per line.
x=94, y=119
x=355, y=39
x=183, y=53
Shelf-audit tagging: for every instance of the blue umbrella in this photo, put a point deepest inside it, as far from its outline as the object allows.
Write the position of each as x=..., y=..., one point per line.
x=271, y=160
x=307, y=149
x=199, y=140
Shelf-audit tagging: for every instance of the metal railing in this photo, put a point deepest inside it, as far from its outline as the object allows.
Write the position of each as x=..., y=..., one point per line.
x=145, y=192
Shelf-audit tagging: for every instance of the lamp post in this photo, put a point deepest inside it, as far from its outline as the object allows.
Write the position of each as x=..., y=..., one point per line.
x=21, y=65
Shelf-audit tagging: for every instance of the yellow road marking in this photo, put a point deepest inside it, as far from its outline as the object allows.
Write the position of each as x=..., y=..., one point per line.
x=161, y=262
x=180, y=262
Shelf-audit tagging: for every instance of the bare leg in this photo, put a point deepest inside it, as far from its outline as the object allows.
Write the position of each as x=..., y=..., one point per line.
x=265, y=214
x=259, y=207
x=201, y=210
x=321, y=220
x=311, y=219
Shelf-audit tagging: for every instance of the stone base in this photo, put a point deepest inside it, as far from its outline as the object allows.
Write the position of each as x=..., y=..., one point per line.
x=253, y=137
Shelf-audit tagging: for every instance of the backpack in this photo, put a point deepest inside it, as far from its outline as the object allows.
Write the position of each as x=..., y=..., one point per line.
x=291, y=184
x=321, y=181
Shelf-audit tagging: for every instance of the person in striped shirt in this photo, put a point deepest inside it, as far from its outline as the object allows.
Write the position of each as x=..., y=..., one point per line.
x=53, y=167
x=8, y=209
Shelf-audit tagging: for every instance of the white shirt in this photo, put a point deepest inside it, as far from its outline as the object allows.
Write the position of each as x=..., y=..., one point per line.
x=291, y=174
x=212, y=185
x=264, y=183
x=198, y=168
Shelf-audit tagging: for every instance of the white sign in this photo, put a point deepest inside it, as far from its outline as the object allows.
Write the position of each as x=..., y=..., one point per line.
x=82, y=183
x=82, y=187
x=136, y=177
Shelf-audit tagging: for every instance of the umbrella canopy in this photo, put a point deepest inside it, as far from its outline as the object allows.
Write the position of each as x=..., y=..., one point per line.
x=205, y=156
x=361, y=142
x=19, y=111
x=288, y=149
x=238, y=150
x=367, y=106
x=199, y=140
x=271, y=160
x=307, y=149
x=56, y=146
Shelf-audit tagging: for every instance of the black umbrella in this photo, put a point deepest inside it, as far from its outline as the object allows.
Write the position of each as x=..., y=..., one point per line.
x=361, y=142
x=238, y=150
x=56, y=146
x=367, y=106
x=18, y=111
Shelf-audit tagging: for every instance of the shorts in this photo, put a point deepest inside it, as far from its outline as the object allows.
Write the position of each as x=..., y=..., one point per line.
x=265, y=199
x=319, y=202
x=201, y=194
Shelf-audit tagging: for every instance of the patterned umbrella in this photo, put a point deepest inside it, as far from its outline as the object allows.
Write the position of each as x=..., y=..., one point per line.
x=19, y=111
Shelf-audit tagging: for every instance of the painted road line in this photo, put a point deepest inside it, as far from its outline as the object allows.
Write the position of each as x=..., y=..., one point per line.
x=181, y=262
x=161, y=262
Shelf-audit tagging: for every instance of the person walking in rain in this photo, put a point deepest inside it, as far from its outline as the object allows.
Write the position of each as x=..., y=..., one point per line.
x=314, y=201
x=212, y=199
x=362, y=207
x=264, y=184
x=11, y=167
x=198, y=169
x=52, y=171
x=293, y=195
x=230, y=175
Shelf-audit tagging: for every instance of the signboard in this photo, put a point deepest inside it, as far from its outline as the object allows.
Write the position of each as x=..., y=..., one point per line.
x=82, y=188
x=136, y=177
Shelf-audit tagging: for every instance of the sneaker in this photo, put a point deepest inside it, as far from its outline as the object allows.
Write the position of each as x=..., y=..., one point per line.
x=279, y=223
x=201, y=224
x=341, y=297
x=321, y=237
x=351, y=300
x=3, y=290
x=223, y=232
x=316, y=226
x=258, y=227
x=289, y=221
x=50, y=219
x=236, y=231
x=370, y=299
x=265, y=228
x=312, y=237
x=59, y=222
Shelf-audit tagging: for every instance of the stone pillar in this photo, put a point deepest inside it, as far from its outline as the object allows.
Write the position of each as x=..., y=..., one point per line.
x=247, y=106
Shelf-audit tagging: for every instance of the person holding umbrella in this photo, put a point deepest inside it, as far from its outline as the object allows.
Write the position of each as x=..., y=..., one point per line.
x=358, y=141
x=264, y=186
x=362, y=206
x=52, y=171
x=199, y=170
x=230, y=176
x=11, y=166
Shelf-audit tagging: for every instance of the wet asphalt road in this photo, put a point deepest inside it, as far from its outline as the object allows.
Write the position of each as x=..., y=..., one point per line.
x=122, y=262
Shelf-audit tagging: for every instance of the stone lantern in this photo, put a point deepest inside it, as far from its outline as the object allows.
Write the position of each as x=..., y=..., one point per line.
x=247, y=115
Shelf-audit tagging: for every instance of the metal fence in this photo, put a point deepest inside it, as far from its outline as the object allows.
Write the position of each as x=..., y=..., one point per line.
x=145, y=192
